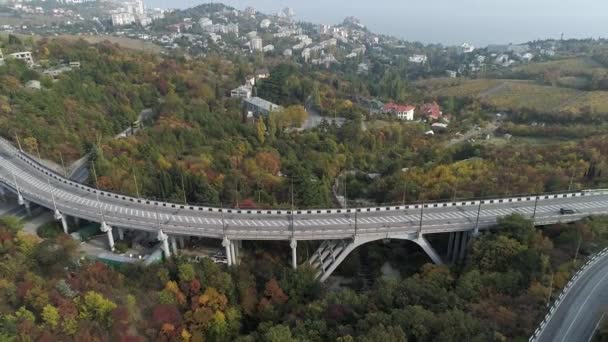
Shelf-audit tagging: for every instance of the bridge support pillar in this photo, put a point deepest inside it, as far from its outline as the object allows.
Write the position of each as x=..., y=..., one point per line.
x=64, y=223
x=108, y=230
x=121, y=233
x=226, y=244
x=429, y=250
x=233, y=253
x=2, y=194
x=294, y=256
x=28, y=207
x=455, y=247
x=238, y=244
x=174, y=245
x=450, y=246
x=164, y=239
x=463, y=245
x=181, y=242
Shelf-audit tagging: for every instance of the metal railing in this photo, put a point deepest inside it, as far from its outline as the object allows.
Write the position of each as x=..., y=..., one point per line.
x=590, y=262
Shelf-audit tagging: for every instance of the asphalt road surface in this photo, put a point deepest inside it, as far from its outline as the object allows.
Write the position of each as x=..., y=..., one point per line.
x=46, y=188
x=579, y=313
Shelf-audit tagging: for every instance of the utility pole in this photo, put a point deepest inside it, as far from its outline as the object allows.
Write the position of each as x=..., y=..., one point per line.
x=136, y=187
x=578, y=247
x=550, y=290
x=65, y=171
x=97, y=192
x=48, y=180
x=236, y=193
x=95, y=175
x=476, y=231
x=292, y=206
x=38, y=152
x=223, y=220
x=356, y=221
x=345, y=197
x=18, y=142
x=16, y=185
x=571, y=180
x=535, y=206
x=421, y=217
x=183, y=188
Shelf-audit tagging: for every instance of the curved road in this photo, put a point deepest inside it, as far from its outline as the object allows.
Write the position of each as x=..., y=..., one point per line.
x=37, y=184
x=578, y=314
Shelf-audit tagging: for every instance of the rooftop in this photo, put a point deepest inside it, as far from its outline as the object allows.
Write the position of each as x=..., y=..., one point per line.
x=263, y=104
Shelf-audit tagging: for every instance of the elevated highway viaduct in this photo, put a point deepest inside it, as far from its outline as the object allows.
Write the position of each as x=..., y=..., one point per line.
x=341, y=230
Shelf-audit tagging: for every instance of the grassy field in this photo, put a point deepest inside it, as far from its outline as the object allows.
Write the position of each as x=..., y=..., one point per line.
x=127, y=43
x=579, y=66
x=133, y=44
x=514, y=95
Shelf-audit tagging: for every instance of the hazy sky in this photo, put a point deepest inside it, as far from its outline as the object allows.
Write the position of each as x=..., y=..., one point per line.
x=479, y=22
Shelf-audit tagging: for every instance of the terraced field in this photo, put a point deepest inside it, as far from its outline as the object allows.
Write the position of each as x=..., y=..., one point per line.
x=514, y=95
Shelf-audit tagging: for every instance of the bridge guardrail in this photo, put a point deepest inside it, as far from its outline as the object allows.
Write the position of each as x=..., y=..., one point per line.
x=440, y=204
x=193, y=207
x=590, y=262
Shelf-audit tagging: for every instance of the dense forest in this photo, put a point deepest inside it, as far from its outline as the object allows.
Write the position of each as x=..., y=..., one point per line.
x=200, y=147
x=49, y=293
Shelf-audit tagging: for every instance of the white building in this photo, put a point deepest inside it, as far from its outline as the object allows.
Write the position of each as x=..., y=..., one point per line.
x=33, y=84
x=362, y=68
x=527, y=57
x=231, y=28
x=403, y=112
x=265, y=23
x=419, y=59
x=25, y=56
x=242, y=92
x=203, y=22
x=287, y=53
x=1, y=58
x=306, y=54
x=324, y=29
x=256, y=44
x=268, y=48
x=467, y=48
x=122, y=18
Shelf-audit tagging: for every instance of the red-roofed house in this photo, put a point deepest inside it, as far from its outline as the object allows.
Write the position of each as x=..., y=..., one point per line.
x=431, y=110
x=403, y=112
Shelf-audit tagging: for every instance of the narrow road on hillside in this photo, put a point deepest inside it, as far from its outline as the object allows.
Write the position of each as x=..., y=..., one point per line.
x=580, y=311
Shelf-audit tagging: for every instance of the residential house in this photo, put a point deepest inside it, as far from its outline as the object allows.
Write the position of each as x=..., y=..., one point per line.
x=306, y=54
x=25, y=56
x=324, y=29
x=265, y=23
x=527, y=57
x=268, y=48
x=287, y=53
x=451, y=73
x=204, y=22
x=33, y=84
x=242, y=92
x=362, y=68
x=431, y=111
x=418, y=59
x=466, y=48
x=260, y=107
x=256, y=44
x=122, y=18
x=403, y=112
